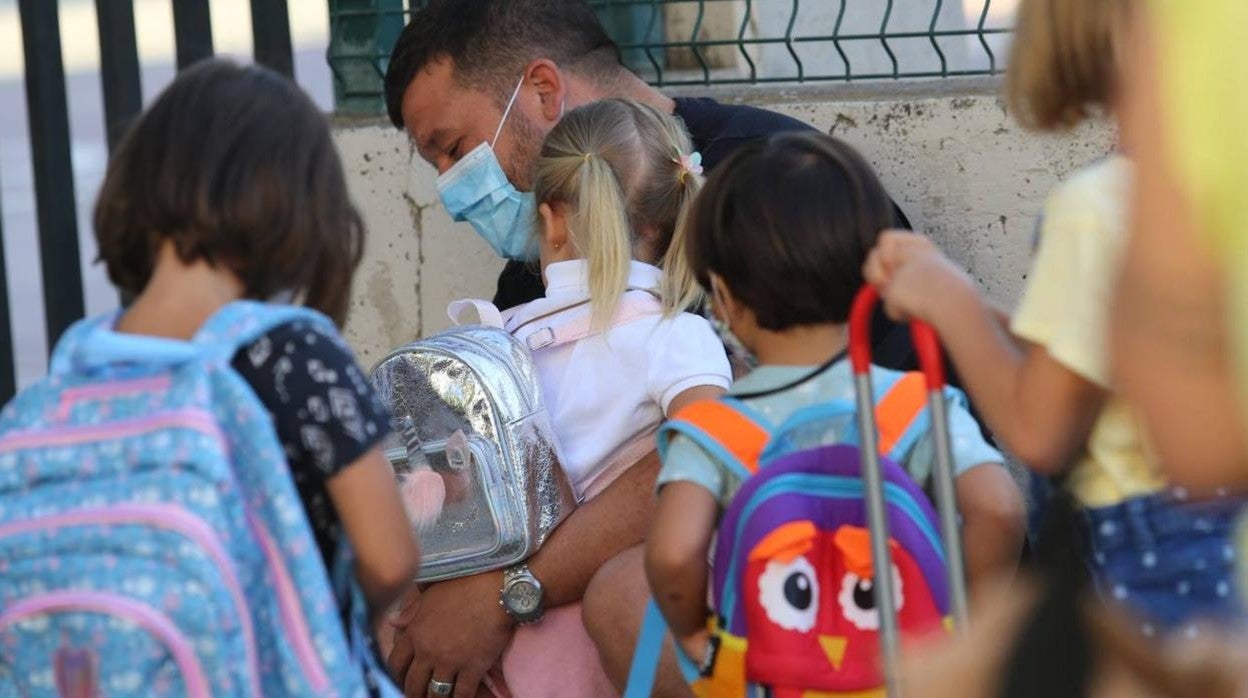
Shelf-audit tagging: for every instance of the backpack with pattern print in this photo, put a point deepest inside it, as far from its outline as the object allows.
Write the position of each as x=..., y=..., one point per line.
x=152, y=541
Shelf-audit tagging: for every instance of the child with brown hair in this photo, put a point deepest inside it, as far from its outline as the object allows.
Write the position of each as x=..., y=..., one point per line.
x=222, y=406
x=777, y=238
x=1042, y=383
x=255, y=206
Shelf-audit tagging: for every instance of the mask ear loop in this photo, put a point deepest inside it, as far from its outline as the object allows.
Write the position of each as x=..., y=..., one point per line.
x=511, y=103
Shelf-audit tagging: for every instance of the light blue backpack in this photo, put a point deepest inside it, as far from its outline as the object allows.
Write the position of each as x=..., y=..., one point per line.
x=152, y=541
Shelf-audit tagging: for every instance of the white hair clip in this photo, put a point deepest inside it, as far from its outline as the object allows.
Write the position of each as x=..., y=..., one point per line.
x=689, y=164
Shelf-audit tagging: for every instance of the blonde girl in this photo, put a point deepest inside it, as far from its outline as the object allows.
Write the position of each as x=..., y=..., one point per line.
x=613, y=185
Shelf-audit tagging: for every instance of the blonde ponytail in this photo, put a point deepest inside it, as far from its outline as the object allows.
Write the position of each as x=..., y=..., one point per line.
x=601, y=233
x=680, y=290
x=622, y=167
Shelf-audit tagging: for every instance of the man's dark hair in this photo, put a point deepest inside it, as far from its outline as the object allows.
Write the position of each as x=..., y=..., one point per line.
x=490, y=41
x=236, y=167
x=787, y=223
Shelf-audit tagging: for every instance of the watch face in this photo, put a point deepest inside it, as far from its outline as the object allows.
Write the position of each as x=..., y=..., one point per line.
x=524, y=598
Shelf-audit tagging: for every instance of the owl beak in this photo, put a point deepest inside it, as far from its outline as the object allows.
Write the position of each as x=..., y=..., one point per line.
x=834, y=646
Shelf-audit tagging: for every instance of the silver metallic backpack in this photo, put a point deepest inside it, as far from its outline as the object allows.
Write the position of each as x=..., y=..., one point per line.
x=474, y=449
x=467, y=406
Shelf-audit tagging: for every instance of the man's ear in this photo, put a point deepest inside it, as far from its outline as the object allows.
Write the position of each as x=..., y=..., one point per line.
x=552, y=88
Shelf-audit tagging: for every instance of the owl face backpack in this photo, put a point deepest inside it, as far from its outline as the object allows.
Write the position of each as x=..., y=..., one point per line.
x=798, y=606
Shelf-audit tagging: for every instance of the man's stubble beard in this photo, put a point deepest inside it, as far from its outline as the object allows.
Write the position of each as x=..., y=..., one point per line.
x=528, y=147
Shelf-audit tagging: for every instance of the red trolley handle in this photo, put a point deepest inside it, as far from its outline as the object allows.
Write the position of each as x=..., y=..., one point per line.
x=931, y=363
x=926, y=343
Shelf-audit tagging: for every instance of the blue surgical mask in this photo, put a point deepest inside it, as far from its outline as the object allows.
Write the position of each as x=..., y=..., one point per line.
x=477, y=190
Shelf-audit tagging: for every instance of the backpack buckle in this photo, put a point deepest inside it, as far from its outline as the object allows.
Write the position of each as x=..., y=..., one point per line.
x=540, y=339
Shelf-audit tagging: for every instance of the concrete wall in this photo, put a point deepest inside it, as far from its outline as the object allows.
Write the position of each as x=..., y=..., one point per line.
x=947, y=151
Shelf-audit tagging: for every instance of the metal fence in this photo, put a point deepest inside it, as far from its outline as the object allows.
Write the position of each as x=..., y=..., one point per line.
x=50, y=139
x=716, y=42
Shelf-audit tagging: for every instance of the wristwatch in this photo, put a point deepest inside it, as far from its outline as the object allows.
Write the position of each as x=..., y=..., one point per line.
x=521, y=596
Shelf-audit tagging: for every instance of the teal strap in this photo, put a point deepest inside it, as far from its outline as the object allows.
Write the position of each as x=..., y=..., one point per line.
x=646, y=655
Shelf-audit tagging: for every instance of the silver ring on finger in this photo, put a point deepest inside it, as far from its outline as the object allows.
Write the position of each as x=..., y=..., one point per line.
x=441, y=688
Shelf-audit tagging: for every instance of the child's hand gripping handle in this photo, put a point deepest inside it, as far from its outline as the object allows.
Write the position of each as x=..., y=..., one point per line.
x=927, y=346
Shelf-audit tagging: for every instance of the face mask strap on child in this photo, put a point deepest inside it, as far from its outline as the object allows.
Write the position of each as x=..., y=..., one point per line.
x=731, y=341
x=477, y=190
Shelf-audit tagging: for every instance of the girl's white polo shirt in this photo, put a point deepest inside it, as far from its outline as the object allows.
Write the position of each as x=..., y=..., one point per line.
x=608, y=390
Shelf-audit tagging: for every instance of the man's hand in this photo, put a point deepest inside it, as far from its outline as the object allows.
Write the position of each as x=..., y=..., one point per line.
x=912, y=275
x=455, y=631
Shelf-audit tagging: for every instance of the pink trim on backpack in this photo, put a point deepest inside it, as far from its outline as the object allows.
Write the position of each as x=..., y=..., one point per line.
x=621, y=460
x=196, y=420
x=170, y=518
x=293, y=619
x=575, y=322
x=110, y=389
x=140, y=614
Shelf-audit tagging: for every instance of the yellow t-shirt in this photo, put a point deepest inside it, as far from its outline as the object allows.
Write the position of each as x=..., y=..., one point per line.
x=1065, y=309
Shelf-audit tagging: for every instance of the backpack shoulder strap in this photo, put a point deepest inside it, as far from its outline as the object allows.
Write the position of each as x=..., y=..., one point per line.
x=540, y=327
x=901, y=414
x=242, y=322
x=488, y=314
x=94, y=343
x=725, y=428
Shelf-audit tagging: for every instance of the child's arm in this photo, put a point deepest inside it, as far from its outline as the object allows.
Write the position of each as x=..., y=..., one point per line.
x=1042, y=411
x=993, y=523
x=676, y=549
x=387, y=554
x=692, y=395
x=1170, y=335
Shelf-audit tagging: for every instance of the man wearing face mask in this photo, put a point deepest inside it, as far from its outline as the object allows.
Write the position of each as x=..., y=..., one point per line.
x=477, y=84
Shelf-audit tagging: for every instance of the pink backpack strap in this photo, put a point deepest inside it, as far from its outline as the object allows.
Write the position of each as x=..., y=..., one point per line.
x=539, y=328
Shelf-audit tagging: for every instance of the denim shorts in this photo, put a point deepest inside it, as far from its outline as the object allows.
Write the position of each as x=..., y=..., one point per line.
x=1169, y=560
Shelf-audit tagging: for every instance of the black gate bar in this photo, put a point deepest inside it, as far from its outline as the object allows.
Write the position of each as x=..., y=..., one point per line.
x=53, y=168
x=192, y=31
x=119, y=66
x=8, y=353
x=270, y=30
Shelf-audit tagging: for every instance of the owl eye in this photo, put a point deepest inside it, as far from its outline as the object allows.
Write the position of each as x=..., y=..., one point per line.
x=789, y=593
x=857, y=599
